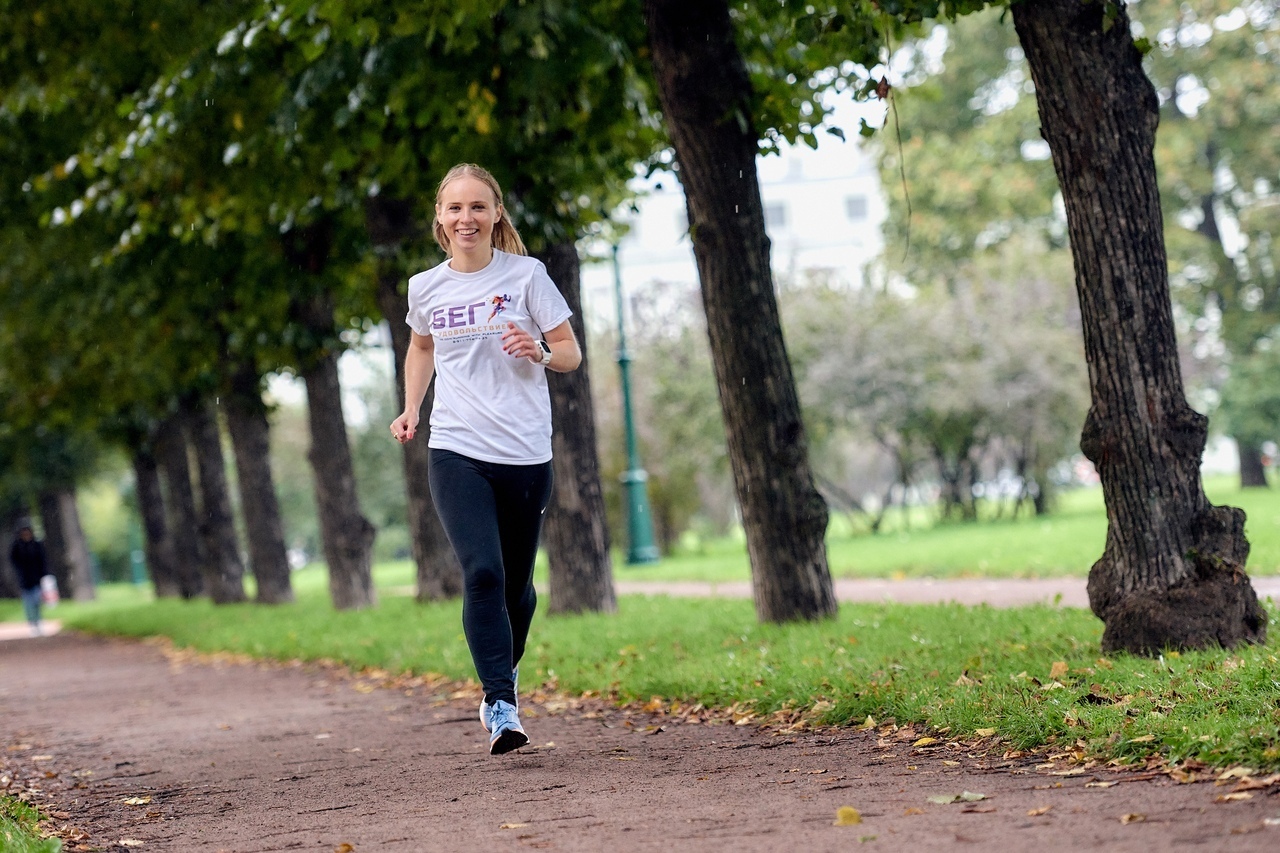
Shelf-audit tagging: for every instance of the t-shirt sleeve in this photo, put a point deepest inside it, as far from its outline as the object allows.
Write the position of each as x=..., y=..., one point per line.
x=547, y=306
x=417, y=317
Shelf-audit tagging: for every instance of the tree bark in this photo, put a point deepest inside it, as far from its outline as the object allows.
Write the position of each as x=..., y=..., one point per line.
x=157, y=544
x=180, y=505
x=390, y=224
x=346, y=535
x=224, y=570
x=1253, y=473
x=575, y=534
x=1173, y=571
x=260, y=507
x=67, y=550
x=705, y=95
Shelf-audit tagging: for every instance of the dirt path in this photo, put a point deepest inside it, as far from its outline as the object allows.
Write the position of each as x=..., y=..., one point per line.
x=130, y=743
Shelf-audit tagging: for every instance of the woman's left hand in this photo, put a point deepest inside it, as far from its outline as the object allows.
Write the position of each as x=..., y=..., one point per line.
x=519, y=343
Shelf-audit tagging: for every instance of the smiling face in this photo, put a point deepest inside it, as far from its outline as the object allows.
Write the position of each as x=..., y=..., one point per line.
x=467, y=211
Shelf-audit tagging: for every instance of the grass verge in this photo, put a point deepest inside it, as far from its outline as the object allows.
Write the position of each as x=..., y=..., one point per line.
x=20, y=828
x=1032, y=677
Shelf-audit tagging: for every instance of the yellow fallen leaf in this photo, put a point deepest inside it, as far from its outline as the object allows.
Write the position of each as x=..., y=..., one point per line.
x=847, y=816
x=869, y=722
x=925, y=741
x=984, y=732
x=1143, y=739
x=1100, y=784
x=951, y=763
x=1058, y=669
x=513, y=825
x=1233, y=798
x=1133, y=817
x=911, y=811
x=344, y=848
x=1039, y=811
x=136, y=801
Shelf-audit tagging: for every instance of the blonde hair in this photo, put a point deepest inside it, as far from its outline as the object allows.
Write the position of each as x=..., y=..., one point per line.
x=505, y=237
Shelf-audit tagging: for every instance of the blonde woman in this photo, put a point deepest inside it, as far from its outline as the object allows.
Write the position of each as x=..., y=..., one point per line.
x=487, y=323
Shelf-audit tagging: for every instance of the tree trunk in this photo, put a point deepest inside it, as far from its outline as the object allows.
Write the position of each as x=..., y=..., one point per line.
x=1173, y=572
x=10, y=518
x=575, y=533
x=158, y=545
x=390, y=224
x=68, y=552
x=180, y=505
x=224, y=570
x=347, y=536
x=1253, y=473
x=260, y=507
x=706, y=94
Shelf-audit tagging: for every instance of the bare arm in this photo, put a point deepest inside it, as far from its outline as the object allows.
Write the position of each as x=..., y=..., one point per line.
x=566, y=355
x=419, y=367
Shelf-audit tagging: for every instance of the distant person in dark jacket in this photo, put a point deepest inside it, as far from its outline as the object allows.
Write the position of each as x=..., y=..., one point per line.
x=27, y=556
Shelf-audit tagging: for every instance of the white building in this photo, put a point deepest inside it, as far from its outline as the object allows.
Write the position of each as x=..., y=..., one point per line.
x=823, y=212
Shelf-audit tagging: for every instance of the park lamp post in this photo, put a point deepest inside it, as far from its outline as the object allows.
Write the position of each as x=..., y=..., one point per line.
x=641, y=548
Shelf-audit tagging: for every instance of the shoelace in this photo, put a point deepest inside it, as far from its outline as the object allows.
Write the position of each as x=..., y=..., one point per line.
x=502, y=716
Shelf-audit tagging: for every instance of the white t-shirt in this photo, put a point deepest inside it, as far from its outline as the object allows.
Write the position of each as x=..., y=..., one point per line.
x=488, y=405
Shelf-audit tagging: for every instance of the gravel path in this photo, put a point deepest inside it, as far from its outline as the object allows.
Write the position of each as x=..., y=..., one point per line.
x=133, y=746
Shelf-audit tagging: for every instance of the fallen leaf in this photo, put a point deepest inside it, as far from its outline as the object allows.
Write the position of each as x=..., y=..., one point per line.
x=513, y=825
x=1143, y=739
x=911, y=811
x=847, y=816
x=1248, y=783
x=1133, y=817
x=925, y=741
x=984, y=732
x=1100, y=784
x=951, y=763
x=1058, y=669
x=1039, y=811
x=136, y=801
x=344, y=848
x=1237, y=772
x=1233, y=798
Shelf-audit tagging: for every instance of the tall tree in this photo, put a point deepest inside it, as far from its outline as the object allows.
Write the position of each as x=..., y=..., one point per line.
x=577, y=537
x=1173, y=572
x=224, y=578
x=706, y=99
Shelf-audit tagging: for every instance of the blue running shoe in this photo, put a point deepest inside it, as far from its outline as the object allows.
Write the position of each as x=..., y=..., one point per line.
x=504, y=724
x=486, y=709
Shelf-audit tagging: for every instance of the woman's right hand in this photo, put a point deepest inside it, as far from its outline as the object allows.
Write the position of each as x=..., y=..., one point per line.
x=404, y=427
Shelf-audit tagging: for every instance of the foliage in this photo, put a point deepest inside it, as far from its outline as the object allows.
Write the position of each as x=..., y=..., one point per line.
x=1034, y=676
x=20, y=828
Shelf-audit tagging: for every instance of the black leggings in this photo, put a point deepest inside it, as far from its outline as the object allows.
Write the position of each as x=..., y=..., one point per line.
x=492, y=514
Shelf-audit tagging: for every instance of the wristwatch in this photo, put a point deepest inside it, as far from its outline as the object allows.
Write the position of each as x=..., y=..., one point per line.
x=546, y=353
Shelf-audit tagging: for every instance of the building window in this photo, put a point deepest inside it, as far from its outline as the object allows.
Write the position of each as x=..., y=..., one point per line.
x=775, y=215
x=855, y=207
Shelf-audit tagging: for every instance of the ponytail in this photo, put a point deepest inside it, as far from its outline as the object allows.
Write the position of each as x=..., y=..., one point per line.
x=505, y=237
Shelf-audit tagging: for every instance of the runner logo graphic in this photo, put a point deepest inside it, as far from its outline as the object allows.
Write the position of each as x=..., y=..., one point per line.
x=499, y=304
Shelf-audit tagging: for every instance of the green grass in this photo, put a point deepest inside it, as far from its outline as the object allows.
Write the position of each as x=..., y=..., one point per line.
x=20, y=830
x=1035, y=675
